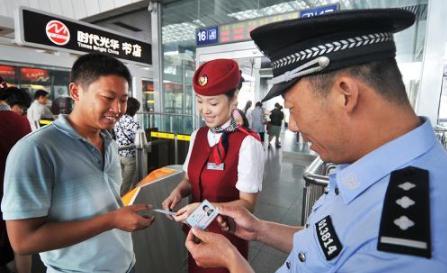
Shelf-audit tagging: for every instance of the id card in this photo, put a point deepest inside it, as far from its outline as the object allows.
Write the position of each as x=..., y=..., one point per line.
x=166, y=212
x=202, y=217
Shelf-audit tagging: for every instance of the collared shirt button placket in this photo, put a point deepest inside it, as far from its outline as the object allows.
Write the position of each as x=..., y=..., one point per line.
x=302, y=256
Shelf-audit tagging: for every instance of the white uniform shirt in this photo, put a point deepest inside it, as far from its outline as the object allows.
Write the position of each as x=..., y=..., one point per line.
x=35, y=113
x=250, y=169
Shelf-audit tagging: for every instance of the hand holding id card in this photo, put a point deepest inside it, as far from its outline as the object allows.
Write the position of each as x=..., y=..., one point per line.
x=202, y=217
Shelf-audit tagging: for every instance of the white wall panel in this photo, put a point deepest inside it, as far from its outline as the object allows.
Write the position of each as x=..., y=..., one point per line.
x=67, y=8
x=79, y=9
x=105, y=5
x=76, y=9
x=44, y=5
x=92, y=7
x=34, y=4
x=55, y=7
x=120, y=3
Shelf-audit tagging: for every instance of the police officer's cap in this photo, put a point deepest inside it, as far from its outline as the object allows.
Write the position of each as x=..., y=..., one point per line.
x=329, y=42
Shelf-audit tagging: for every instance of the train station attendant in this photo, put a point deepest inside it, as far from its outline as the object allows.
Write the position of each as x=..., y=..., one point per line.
x=225, y=162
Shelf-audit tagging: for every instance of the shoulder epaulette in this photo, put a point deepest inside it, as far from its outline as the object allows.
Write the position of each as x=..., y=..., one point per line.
x=405, y=221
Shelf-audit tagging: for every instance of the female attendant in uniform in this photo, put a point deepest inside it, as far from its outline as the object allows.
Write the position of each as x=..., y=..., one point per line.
x=223, y=163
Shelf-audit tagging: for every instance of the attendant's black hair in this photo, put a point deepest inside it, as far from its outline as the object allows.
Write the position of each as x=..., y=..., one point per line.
x=88, y=68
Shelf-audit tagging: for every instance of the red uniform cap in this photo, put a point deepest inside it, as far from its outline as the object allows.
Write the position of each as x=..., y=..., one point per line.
x=216, y=77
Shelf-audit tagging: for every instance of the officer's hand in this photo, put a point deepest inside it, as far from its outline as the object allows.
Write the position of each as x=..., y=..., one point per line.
x=173, y=199
x=211, y=250
x=238, y=220
x=184, y=212
x=129, y=218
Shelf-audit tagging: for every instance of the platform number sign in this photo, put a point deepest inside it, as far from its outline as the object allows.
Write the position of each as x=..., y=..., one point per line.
x=318, y=11
x=207, y=36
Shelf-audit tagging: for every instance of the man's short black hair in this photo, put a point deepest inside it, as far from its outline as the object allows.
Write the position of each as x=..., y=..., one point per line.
x=132, y=106
x=40, y=93
x=88, y=68
x=383, y=76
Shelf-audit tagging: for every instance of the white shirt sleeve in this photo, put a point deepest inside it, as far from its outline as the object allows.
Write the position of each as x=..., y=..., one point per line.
x=188, y=156
x=250, y=169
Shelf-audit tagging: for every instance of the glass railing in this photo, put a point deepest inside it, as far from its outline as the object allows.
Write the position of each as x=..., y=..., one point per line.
x=167, y=122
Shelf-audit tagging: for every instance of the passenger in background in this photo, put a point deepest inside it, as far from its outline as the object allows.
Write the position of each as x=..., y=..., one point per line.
x=38, y=109
x=276, y=118
x=240, y=118
x=247, y=106
x=125, y=131
x=225, y=162
x=13, y=126
x=62, y=182
x=258, y=121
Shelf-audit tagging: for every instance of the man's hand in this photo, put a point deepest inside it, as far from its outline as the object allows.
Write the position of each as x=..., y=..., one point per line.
x=214, y=250
x=129, y=219
x=184, y=212
x=238, y=220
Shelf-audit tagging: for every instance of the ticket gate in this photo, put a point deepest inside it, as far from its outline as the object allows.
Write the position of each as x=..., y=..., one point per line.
x=159, y=248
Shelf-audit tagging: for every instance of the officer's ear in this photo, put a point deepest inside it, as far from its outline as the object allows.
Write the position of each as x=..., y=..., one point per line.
x=346, y=91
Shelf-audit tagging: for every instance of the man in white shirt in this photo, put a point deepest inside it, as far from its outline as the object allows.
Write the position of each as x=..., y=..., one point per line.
x=38, y=109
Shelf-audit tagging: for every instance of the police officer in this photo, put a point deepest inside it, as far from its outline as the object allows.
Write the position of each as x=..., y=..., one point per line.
x=383, y=211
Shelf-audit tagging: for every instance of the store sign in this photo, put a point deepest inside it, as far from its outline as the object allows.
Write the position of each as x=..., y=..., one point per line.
x=207, y=36
x=30, y=74
x=318, y=11
x=53, y=32
x=7, y=72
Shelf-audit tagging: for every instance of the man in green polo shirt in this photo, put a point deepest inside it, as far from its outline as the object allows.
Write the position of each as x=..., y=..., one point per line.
x=62, y=182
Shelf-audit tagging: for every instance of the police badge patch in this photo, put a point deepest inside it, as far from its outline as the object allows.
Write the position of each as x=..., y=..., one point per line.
x=328, y=239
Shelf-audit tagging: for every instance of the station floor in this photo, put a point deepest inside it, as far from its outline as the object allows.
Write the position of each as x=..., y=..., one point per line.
x=281, y=197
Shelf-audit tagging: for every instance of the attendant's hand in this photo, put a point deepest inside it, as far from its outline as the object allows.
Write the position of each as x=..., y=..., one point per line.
x=184, y=212
x=211, y=250
x=238, y=220
x=173, y=199
x=129, y=219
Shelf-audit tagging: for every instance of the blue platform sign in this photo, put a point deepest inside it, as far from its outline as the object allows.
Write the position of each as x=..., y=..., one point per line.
x=318, y=11
x=207, y=36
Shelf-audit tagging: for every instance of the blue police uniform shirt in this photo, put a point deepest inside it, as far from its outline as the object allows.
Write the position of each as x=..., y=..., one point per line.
x=56, y=173
x=354, y=204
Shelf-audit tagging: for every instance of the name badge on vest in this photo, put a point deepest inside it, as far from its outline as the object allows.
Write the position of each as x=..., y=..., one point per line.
x=214, y=166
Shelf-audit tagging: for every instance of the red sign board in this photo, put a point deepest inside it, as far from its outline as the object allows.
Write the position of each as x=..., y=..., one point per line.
x=34, y=74
x=7, y=72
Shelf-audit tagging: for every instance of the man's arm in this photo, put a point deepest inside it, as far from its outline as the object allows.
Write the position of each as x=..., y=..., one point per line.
x=214, y=250
x=245, y=225
x=277, y=235
x=38, y=234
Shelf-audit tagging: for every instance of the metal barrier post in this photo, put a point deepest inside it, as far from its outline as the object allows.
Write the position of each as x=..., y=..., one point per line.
x=175, y=149
x=316, y=179
x=142, y=147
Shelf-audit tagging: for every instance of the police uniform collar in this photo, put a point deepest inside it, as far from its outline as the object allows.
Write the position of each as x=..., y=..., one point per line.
x=355, y=178
x=328, y=42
